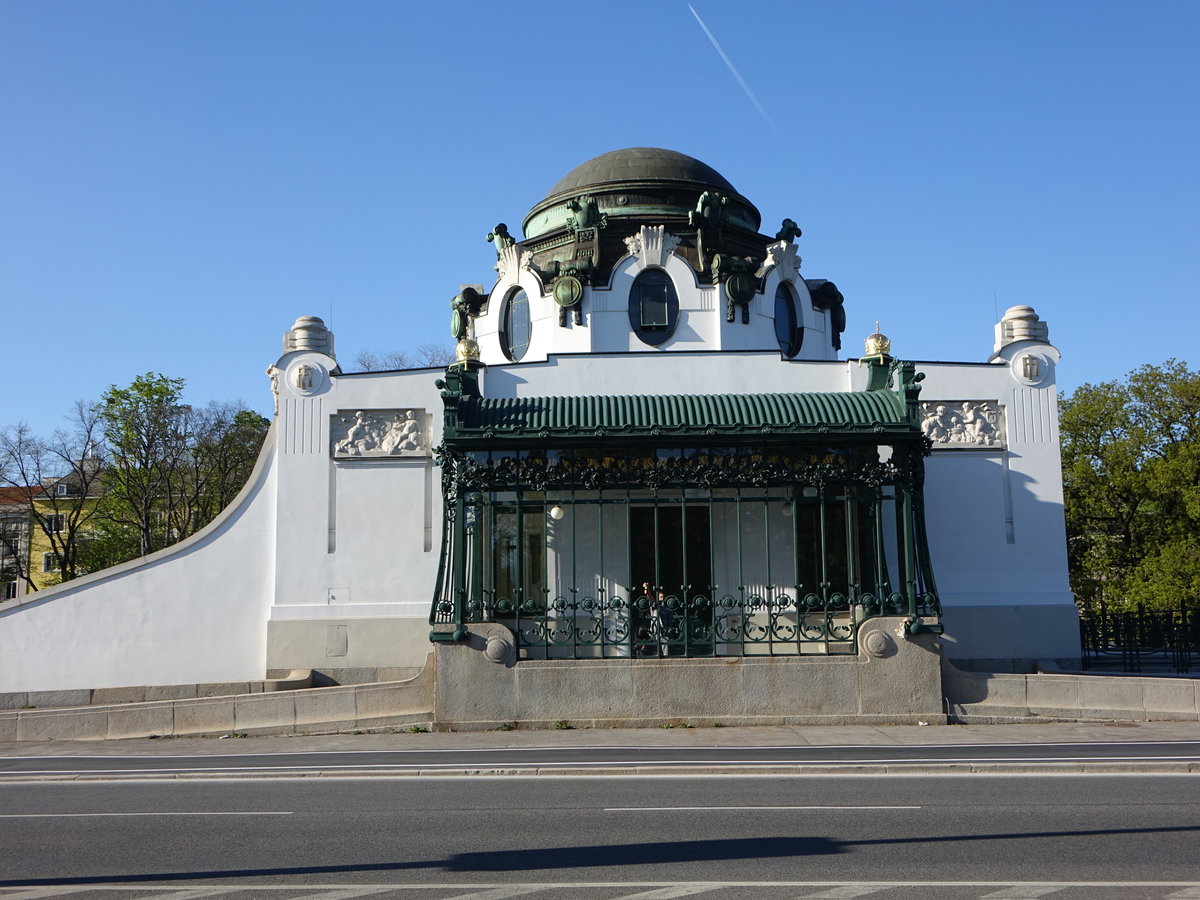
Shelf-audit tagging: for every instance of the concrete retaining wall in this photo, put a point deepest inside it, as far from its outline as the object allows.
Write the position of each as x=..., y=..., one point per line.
x=893, y=679
x=298, y=678
x=976, y=697
x=284, y=712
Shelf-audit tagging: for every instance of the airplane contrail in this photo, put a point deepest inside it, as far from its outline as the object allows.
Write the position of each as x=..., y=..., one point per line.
x=733, y=69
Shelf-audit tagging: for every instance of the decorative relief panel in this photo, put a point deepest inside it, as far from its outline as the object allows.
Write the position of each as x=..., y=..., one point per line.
x=963, y=424
x=379, y=433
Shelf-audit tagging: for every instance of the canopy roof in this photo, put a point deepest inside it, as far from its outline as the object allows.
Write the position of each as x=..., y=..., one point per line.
x=877, y=414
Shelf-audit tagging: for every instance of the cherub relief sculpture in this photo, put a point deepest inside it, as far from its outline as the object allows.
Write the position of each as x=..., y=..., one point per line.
x=378, y=433
x=971, y=424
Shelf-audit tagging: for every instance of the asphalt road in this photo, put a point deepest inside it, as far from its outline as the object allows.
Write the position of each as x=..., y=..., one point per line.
x=765, y=836
x=597, y=757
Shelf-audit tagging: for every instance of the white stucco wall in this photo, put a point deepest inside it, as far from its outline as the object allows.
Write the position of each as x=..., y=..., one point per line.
x=195, y=612
x=330, y=563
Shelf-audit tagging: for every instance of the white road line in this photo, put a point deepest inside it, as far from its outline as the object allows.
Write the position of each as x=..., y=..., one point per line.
x=739, y=808
x=349, y=893
x=655, y=747
x=847, y=891
x=680, y=890
x=1023, y=892
x=193, y=893
x=603, y=764
x=99, y=815
x=1185, y=890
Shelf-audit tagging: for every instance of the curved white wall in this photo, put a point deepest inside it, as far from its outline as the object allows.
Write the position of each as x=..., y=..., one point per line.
x=193, y=613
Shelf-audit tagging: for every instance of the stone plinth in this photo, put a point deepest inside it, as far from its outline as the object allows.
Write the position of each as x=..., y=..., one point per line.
x=894, y=678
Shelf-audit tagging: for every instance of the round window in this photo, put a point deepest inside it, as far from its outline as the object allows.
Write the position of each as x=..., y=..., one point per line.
x=787, y=331
x=515, y=325
x=653, y=306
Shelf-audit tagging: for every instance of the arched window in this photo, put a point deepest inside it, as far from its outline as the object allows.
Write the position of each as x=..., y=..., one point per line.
x=788, y=331
x=653, y=306
x=515, y=325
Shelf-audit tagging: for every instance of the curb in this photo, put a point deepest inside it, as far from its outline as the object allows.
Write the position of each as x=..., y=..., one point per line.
x=804, y=770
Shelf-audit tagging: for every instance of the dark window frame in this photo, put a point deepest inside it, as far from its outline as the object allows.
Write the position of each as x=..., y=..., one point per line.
x=653, y=285
x=512, y=350
x=789, y=344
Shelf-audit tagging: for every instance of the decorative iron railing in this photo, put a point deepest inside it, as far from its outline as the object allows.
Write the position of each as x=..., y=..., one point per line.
x=1141, y=640
x=657, y=624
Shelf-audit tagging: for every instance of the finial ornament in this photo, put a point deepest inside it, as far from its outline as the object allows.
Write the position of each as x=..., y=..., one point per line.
x=878, y=344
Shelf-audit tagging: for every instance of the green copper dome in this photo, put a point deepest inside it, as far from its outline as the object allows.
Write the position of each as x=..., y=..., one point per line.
x=637, y=164
x=648, y=184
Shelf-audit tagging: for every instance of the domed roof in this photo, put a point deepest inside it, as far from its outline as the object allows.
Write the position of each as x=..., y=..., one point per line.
x=639, y=164
x=637, y=184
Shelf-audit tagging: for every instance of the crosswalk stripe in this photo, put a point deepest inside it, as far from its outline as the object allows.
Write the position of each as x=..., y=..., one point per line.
x=1023, y=892
x=501, y=892
x=679, y=890
x=844, y=891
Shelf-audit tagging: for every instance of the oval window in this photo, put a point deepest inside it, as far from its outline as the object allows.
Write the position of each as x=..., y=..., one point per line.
x=653, y=306
x=787, y=331
x=515, y=325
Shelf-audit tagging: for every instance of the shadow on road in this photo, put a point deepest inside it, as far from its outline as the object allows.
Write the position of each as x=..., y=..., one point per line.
x=591, y=856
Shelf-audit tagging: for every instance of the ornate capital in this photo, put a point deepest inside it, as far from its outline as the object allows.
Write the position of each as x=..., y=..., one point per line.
x=652, y=245
x=783, y=256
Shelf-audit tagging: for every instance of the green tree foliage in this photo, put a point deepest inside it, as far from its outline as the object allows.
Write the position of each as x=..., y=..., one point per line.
x=1131, y=476
x=170, y=467
x=130, y=475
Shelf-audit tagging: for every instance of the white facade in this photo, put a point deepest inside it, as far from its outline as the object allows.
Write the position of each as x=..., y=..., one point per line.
x=328, y=558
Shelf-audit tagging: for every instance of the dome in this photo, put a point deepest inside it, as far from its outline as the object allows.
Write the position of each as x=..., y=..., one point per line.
x=646, y=184
x=639, y=164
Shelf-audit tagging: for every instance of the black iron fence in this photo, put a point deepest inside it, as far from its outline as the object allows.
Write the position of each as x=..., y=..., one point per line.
x=1142, y=640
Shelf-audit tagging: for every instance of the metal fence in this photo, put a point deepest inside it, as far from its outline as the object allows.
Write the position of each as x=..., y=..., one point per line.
x=1142, y=640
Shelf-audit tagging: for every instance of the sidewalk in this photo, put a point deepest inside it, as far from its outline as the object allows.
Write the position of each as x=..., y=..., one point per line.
x=772, y=736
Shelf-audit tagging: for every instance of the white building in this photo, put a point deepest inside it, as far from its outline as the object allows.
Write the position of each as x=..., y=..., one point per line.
x=650, y=447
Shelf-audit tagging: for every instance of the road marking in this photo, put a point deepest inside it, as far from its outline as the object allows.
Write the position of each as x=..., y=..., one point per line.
x=680, y=890
x=735, y=809
x=344, y=893
x=467, y=764
x=654, y=747
x=97, y=815
x=194, y=893
x=1022, y=892
x=1185, y=890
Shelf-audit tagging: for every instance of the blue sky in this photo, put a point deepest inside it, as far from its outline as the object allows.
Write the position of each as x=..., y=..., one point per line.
x=180, y=180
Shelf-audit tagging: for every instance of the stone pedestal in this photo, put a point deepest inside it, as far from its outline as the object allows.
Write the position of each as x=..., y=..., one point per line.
x=894, y=679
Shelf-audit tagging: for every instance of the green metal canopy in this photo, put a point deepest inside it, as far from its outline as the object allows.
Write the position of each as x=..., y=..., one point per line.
x=874, y=413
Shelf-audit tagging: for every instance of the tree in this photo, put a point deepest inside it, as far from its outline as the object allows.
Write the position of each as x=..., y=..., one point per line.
x=1131, y=477
x=171, y=467
x=134, y=473
x=426, y=356
x=51, y=487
